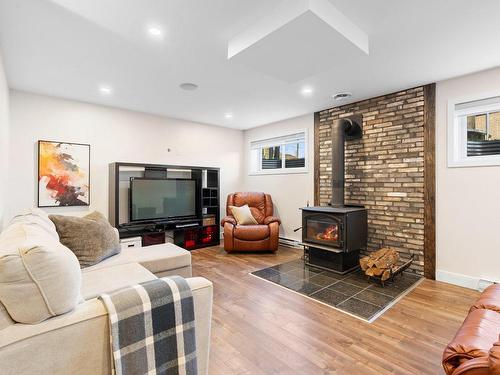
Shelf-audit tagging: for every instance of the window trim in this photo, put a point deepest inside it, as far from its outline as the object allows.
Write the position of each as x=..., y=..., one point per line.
x=455, y=140
x=283, y=169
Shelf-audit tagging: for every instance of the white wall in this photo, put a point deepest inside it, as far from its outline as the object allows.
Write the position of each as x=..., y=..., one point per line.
x=467, y=199
x=120, y=135
x=4, y=144
x=289, y=191
x=114, y=135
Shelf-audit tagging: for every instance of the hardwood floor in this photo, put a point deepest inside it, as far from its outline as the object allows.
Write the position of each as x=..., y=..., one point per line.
x=260, y=328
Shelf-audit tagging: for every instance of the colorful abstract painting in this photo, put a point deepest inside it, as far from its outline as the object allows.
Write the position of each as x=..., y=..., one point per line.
x=63, y=174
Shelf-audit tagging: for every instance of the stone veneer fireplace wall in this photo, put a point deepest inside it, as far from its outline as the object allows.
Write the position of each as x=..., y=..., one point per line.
x=384, y=170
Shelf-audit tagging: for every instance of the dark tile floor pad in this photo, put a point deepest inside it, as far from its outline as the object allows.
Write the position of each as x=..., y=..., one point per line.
x=351, y=293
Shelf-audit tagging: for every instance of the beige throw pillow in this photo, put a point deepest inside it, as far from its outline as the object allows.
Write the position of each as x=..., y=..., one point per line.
x=91, y=237
x=243, y=215
x=39, y=277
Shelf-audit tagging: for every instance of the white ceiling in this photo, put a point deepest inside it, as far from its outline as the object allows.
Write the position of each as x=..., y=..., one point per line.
x=67, y=48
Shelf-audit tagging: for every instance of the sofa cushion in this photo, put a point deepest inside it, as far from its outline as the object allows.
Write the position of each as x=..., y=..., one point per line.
x=474, y=339
x=155, y=258
x=105, y=280
x=489, y=299
x=91, y=237
x=5, y=319
x=38, y=270
x=251, y=232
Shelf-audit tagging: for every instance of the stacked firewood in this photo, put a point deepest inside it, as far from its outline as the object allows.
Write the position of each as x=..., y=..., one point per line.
x=381, y=263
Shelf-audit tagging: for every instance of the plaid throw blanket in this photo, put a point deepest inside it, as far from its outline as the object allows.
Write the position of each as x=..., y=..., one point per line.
x=152, y=328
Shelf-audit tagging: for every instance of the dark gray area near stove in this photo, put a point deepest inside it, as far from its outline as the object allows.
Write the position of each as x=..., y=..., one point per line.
x=351, y=293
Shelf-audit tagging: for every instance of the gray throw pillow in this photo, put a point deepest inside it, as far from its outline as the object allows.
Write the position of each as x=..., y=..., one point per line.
x=91, y=237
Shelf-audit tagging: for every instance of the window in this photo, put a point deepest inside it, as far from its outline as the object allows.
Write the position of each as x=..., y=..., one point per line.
x=483, y=134
x=285, y=154
x=474, y=134
x=271, y=157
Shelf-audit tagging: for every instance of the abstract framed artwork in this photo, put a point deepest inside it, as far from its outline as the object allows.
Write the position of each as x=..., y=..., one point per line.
x=63, y=174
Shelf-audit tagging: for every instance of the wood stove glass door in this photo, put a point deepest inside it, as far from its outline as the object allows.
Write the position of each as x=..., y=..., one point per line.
x=324, y=230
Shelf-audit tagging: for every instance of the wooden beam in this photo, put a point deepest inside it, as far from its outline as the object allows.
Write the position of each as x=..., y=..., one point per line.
x=430, y=181
x=316, y=158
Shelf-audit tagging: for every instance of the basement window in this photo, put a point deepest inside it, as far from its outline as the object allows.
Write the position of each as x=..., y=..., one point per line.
x=284, y=154
x=474, y=134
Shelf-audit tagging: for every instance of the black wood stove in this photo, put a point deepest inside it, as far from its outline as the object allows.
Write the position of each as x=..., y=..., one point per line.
x=334, y=235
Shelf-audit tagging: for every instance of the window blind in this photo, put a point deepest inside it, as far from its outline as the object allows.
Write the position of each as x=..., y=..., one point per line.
x=291, y=138
x=477, y=106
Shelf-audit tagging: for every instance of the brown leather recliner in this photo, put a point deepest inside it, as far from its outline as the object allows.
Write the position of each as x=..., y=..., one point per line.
x=261, y=237
x=475, y=350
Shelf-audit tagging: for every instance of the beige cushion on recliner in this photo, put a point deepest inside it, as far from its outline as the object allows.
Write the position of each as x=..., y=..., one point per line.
x=243, y=215
x=39, y=277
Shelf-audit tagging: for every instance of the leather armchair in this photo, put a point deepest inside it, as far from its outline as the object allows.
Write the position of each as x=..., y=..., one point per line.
x=475, y=350
x=261, y=237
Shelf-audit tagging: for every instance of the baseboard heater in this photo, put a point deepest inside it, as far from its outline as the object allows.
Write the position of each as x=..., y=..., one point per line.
x=483, y=284
x=290, y=243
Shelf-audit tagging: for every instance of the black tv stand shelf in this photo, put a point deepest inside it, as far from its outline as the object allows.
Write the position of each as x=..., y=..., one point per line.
x=190, y=233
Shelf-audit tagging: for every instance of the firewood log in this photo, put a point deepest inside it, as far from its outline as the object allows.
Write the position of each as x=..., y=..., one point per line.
x=381, y=263
x=389, y=259
x=363, y=262
x=369, y=272
x=378, y=271
x=374, y=271
x=376, y=256
x=386, y=275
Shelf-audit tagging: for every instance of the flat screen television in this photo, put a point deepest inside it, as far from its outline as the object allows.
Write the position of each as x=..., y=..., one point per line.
x=160, y=199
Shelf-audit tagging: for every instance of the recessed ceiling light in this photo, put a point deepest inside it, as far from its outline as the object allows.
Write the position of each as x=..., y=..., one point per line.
x=155, y=32
x=342, y=95
x=188, y=86
x=307, y=91
x=228, y=115
x=105, y=90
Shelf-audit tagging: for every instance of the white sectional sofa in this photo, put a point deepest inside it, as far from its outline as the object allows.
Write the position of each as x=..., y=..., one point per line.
x=77, y=342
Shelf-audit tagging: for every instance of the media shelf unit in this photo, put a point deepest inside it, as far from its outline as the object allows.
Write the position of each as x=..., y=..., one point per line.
x=196, y=232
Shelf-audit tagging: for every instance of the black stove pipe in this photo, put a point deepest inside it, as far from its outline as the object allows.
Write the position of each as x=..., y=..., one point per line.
x=342, y=129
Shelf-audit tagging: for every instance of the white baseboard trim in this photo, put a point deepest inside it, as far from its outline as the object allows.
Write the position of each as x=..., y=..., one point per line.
x=457, y=279
x=470, y=282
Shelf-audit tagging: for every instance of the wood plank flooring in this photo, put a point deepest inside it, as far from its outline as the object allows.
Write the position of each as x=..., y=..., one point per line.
x=260, y=328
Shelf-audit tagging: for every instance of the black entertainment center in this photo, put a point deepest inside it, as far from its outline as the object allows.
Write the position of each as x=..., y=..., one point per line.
x=165, y=203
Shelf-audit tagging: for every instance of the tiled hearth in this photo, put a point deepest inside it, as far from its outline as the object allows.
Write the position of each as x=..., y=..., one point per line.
x=351, y=293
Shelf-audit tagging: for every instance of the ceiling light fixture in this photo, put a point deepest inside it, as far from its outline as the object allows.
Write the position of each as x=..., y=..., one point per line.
x=342, y=96
x=188, y=86
x=155, y=32
x=105, y=90
x=307, y=91
x=228, y=116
